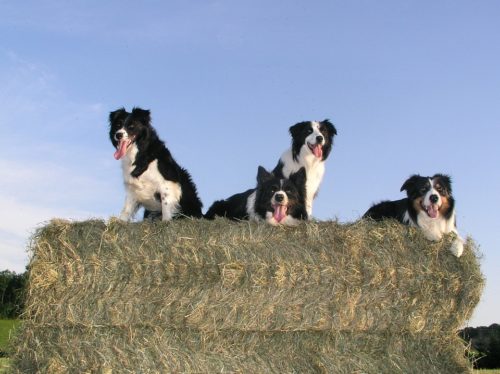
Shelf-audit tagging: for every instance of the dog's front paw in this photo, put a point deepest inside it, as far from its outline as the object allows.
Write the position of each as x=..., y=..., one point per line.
x=123, y=217
x=457, y=247
x=432, y=236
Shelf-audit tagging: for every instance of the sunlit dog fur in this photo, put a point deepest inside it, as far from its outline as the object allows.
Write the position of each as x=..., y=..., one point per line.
x=152, y=177
x=277, y=201
x=311, y=145
x=429, y=205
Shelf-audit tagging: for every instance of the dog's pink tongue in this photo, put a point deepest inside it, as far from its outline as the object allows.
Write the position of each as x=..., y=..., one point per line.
x=122, y=149
x=318, y=151
x=279, y=212
x=432, y=211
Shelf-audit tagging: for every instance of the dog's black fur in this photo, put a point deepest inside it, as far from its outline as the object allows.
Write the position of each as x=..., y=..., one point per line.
x=416, y=188
x=257, y=203
x=429, y=205
x=136, y=126
x=312, y=143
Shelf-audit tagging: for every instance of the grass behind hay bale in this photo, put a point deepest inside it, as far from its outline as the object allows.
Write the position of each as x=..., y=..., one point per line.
x=210, y=296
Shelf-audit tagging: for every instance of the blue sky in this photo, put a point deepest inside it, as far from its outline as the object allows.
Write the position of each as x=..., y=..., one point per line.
x=412, y=86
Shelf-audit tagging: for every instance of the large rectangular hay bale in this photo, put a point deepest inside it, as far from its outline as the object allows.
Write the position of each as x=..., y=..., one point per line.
x=212, y=296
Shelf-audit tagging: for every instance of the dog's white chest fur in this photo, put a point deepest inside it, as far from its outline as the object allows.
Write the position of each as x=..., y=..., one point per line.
x=315, y=169
x=150, y=189
x=434, y=229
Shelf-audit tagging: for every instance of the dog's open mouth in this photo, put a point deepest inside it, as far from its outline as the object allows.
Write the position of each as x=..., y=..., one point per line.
x=432, y=210
x=279, y=213
x=316, y=149
x=122, y=147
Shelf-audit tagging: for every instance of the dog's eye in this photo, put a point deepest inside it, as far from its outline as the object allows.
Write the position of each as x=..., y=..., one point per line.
x=309, y=131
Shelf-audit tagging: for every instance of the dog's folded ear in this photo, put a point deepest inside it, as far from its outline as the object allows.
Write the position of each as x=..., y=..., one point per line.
x=444, y=180
x=332, y=131
x=115, y=114
x=263, y=175
x=142, y=115
x=296, y=129
x=299, y=178
x=410, y=182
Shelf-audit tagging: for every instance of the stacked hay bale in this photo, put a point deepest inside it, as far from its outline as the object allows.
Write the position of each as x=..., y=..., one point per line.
x=218, y=296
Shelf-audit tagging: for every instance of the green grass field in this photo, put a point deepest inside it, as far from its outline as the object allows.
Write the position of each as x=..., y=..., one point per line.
x=6, y=325
x=4, y=365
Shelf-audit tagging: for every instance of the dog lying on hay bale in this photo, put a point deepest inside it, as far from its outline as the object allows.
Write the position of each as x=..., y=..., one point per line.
x=220, y=296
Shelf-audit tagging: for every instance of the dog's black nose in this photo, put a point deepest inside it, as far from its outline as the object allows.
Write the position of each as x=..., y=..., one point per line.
x=118, y=135
x=319, y=139
x=279, y=197
x=434, y=199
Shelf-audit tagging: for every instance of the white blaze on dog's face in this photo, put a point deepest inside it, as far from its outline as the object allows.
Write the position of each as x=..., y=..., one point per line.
x=279, y=202
x=431, y=201
x=277, y=198
x=118, y=133
x=315, y=140
x=124, y=142
x=431, y=195
x=312, y=138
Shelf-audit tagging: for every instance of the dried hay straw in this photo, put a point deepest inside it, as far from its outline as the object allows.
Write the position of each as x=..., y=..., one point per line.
x=219, y=296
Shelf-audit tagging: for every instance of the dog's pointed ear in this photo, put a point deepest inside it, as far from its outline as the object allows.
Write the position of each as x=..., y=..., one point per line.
x=330, y=128
x=444, y=180
x=263, y=175
x=299, y=178
x=409, y=182
x=115, y=114
x=142, y=115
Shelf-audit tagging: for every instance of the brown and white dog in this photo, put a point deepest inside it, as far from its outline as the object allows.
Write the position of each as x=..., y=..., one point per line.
x=429, y=205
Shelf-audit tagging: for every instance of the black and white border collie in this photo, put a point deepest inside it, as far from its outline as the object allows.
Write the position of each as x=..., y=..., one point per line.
x=311, y=144
x=429, y=206
x=278, y=201
x=152, y=177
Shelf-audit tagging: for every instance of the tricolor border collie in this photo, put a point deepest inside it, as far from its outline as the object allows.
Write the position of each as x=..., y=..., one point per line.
x=429, y=206
x=311, y=145
x=278, y=201
x=152, y=177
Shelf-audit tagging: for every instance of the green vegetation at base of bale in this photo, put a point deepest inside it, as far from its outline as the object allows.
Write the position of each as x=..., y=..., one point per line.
x=212, y=296
x=4, y=365
x=7, y=328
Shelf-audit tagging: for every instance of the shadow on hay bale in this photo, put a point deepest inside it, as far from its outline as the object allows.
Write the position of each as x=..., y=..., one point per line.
x=219, y=296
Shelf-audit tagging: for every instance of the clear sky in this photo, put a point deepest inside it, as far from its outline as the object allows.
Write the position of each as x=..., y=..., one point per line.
x=412, y=87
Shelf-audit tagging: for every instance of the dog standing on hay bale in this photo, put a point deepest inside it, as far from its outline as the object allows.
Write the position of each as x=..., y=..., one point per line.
x=429, y=206
x=152, y=177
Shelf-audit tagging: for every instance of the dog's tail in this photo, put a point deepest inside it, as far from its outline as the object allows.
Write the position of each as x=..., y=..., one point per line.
x=218, y=208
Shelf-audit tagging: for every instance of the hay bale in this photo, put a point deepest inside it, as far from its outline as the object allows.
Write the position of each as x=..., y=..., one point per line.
x=215, y=296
